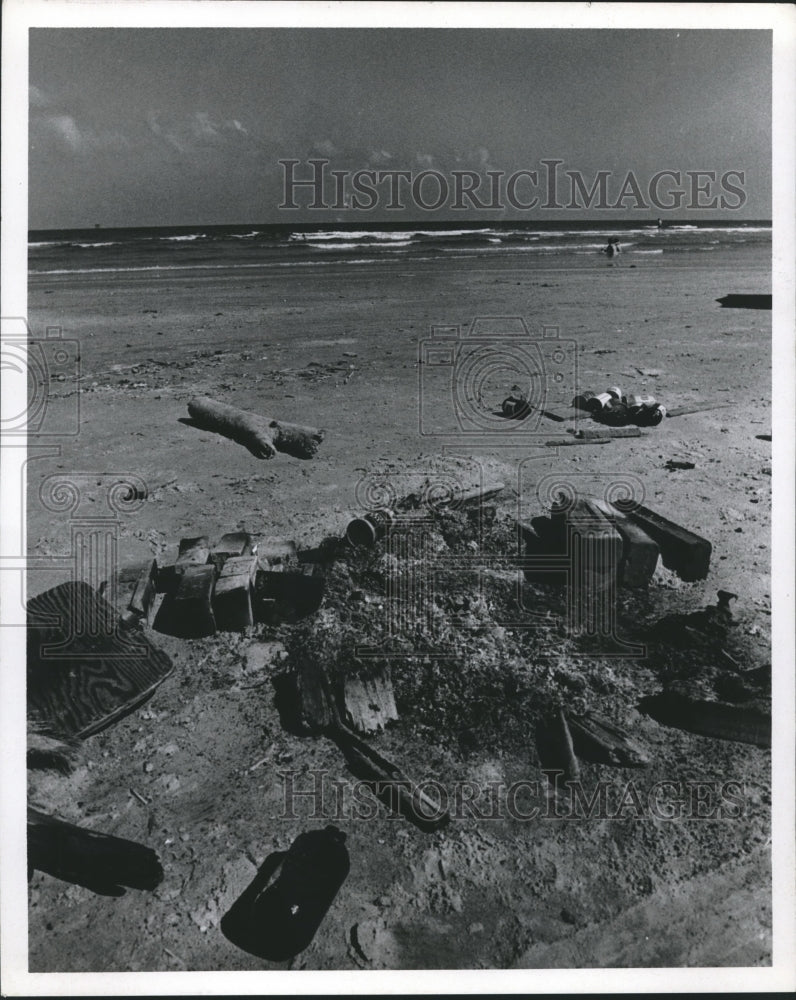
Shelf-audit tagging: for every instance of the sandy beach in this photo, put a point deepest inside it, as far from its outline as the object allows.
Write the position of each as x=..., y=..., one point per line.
x=336, y=345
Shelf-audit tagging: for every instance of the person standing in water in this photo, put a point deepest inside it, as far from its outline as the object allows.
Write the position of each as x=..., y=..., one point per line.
x=612, y=247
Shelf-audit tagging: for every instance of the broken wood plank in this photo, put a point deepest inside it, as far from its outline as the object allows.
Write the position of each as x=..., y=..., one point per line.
x=740, y=723
x=639, y=552
x=369, y=702
x=389, y=783
x=564, y=442
x=263, y=436
x=682, y=551
x=314, y=712
x=232, y=597
x=608, y=432
x=601, y=741
x=236, y=543
x=736, y=301
x=274, y=552
x=480, y=493
x=145, y=590
x=233, y=543
x=679, y=411
x=193, y=551
x=584, y=526
x=569, y=760
x=188, y=612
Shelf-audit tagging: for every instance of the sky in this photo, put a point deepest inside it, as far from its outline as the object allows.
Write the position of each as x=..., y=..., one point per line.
x=140, y=127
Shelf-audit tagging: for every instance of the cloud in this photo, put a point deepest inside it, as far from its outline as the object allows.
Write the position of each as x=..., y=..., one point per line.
x=203, y=126
x=324, y=146
x=196, y=131
x=153, y=121
x=37, y=97
x=66, y=127
x=77, y=137
x=378, y=157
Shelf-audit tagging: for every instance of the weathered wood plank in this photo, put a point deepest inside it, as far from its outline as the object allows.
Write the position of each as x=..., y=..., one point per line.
x=83, y=671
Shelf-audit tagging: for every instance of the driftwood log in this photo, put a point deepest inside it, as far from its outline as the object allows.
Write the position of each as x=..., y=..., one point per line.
x=263, y=436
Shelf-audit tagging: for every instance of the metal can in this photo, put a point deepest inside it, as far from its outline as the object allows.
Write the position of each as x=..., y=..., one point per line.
x=615, y=392
x=369, y=528
x=581, y=401
x=640, y=400
x=600, y=402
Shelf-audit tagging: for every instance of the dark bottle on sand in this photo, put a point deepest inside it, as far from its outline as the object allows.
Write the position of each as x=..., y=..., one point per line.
x=277, y=916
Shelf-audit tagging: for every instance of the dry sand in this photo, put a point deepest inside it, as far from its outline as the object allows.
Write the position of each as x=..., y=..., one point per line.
x=337, y=346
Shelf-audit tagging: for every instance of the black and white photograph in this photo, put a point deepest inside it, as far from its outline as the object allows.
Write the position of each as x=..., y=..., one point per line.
x=397, y=532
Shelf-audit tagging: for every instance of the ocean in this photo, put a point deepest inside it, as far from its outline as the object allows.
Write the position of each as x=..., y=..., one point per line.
x=87, y=251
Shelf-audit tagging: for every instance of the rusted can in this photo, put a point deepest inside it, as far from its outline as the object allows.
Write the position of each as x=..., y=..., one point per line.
x=369, y=528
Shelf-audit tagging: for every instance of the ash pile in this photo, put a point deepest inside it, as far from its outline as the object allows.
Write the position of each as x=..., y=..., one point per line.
x=485, y=626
